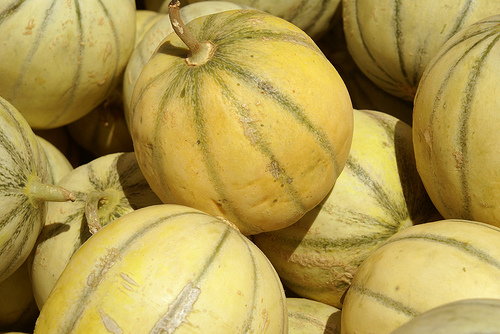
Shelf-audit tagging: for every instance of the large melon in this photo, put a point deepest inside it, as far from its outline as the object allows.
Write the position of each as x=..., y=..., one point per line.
x=456, y=123
x=420, y=268
x=166, y=269
x=60, y=59
x=257, y=132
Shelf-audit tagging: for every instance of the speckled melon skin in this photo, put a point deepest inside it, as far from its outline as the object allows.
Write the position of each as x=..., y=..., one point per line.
x=60, y=59
x=257, y=136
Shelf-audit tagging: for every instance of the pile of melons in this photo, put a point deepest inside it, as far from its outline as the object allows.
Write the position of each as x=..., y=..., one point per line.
x=249, y=166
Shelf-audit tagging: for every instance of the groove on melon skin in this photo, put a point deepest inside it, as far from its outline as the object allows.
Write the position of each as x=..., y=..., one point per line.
x=461, y=153
x=385, y=301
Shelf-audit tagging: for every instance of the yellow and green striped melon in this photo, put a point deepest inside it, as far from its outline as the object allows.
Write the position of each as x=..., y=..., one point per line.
x=312, y=16
x=465, y=316
x=25, y=188
x=257, y=132
x=154, y=36
x=60, y=59
x=455, y=124
x=378, y=193
x=106, y=188
x=18, y=309
x=306, y=316
x=145, y=19
x=393, y=41
x=419, y=268
x=165, y=269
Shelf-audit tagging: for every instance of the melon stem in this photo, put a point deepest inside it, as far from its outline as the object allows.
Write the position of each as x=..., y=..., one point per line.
x=38, y=191
x=92, y=202
x=199, y=53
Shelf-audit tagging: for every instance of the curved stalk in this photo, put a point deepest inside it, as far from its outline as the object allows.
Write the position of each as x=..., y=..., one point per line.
x=92, y=210
x=199, y=53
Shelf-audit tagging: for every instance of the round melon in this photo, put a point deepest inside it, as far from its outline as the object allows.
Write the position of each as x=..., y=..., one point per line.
x=455, y=124
x=419, y=268
x=256, y=131
x=378, y=193
x=392, y=42
x=106, y=188
x=61, y=59
x=165, y=269
x=465, y=316
x=25, y=188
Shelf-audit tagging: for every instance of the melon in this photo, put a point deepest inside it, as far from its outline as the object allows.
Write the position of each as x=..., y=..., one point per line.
x=306, y=316
x=455, y=124
x=25, y=188
x=419, y=268
x=163, y=269
x=217, y=129
x=60, y=59
x=392, y=42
